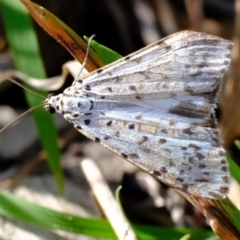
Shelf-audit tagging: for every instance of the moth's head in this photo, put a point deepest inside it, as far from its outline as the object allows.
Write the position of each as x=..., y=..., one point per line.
x=52, y=104
x=67, y=105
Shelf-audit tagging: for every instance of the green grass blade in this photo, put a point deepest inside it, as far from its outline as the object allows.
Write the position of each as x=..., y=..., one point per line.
x=234, y=169
x=14, y=207
x=105, y=53
x=27, y=58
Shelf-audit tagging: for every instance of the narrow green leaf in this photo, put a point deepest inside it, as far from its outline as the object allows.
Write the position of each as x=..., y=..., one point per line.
x=105, y=53
x=234, y=169
x=27, y=58
x=14, y=207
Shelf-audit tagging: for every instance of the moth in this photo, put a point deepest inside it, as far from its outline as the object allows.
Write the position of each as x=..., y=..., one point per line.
x=155, y=108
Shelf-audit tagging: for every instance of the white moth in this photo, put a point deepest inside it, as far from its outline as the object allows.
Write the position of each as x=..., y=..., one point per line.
x=155, y=108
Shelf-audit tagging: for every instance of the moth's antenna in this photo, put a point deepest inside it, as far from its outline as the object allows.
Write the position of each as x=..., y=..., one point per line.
x=23, y=114
x=25, y=88
x=85, y=59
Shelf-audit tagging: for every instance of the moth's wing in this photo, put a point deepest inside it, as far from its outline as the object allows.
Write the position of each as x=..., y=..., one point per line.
x=181, y=64
x=184, y=155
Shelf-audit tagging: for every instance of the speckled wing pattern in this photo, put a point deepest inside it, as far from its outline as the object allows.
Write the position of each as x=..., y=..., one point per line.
x=155, y=108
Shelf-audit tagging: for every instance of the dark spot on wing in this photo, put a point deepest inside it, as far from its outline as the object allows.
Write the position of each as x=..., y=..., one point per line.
x=87, y=114
x=188, y=131
x=196, y=74
x=201, y=166
x=199, y=156
x=88, y=88
x=191, y=160
x=206, y=173
x=168, y=47
x=97, y=140
x=189, y=90
x=109, y=123
x=164, y=85
x=117, y=79
x=131, y=126
x=117, y=134
x=225, y=179
x=223, y=190
x=76, y=115
x=132, y=88
x=99, y=71
x=162, y=140
x=156, y=173
x=66, y=94
x=202, y=64
x=146, y=150
x=184, y=148
x=127, y=58
x=87, y=121
x=216, y=142
x=106, y=138
x=78, y=127
x=124, y=155
x=171, y=164
x=201, y=180
x=58, y=107
x=102, y=97
x=163, y=170
x=194, y=146
x=221, y=153
x=138, y=96
x=165, y=131
x=109, y=89
x=180, y=179
x=224, y=169
x=144, y=139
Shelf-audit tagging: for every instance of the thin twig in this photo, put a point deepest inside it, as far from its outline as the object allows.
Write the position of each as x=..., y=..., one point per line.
x=106, y=200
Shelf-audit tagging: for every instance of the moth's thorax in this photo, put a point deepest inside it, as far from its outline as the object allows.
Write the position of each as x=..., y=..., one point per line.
x=68, y=104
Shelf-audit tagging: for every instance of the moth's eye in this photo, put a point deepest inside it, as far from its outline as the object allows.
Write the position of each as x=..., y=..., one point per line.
x=51, y=110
